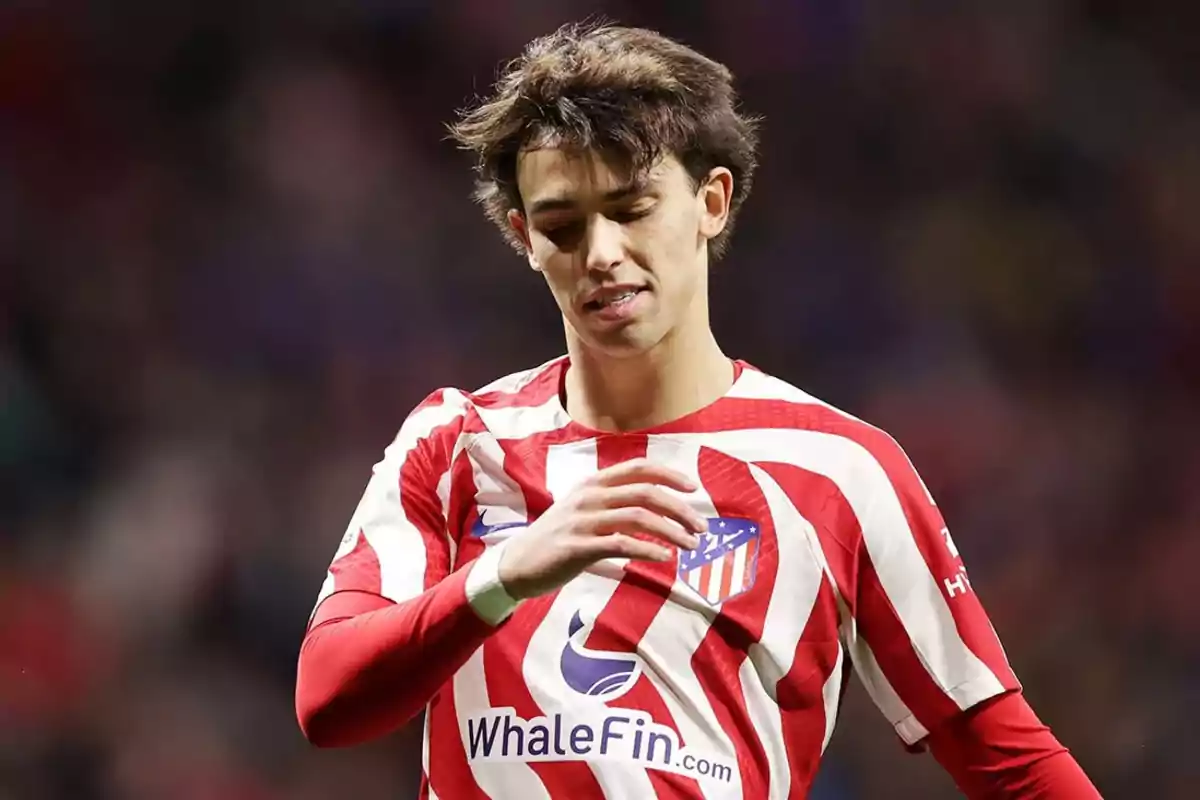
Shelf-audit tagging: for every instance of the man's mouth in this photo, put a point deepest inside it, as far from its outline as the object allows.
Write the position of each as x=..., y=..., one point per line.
x=613, y=299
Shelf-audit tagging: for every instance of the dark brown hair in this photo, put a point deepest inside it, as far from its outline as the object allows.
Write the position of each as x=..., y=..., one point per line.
x=630, y=94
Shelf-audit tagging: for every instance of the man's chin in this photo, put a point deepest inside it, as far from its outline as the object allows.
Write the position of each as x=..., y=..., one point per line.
x=629, y=341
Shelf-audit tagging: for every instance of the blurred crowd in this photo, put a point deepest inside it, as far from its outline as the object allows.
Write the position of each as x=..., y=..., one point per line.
x=236, y=248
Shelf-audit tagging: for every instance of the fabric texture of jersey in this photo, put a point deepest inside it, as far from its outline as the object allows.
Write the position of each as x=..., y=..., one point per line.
x=715, y=675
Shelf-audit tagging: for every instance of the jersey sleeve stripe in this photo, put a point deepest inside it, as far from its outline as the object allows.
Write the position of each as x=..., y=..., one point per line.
x=921, y=514
x=899, y=661
x=399, y=515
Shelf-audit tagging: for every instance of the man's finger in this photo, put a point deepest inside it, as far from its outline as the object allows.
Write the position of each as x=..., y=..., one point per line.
x=654, y=498
x=641, y=470
x=620, y=545
x=635, y=519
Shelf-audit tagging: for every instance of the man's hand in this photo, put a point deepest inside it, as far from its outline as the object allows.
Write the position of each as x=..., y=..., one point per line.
x=595, y=521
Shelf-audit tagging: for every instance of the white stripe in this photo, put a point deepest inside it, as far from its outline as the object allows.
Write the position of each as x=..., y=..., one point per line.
x=514, y=382
x=521, y=422
x=737, y=578
x=566, y=466
x=877, y=685
x=902, y=571
x=754, y=385
x=380, y=514
x=671, y=640
x=881, y=692
x=831, y=694
x=677, y=632
x=714, y=580
x=498, y=497
x=767, y=387
x=425, y=754
x=768, y=724
x=494, y=777
x=797, y=587
x=443, y=493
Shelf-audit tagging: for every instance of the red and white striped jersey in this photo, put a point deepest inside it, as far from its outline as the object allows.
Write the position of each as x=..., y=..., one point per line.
x=715, y=675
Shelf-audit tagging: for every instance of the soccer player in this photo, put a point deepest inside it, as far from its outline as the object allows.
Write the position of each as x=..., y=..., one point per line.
x=644, y=569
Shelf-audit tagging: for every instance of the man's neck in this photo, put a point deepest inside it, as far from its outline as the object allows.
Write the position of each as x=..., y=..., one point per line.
x=680, y=375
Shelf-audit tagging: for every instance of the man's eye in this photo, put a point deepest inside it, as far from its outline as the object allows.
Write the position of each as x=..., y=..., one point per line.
x=628, y=215
x=560, y=232
x=559, y=227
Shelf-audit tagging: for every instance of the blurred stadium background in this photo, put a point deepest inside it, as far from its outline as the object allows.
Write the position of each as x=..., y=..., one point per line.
x=236, y=248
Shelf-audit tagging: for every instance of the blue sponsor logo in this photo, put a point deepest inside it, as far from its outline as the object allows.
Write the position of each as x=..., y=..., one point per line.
x=596, y=673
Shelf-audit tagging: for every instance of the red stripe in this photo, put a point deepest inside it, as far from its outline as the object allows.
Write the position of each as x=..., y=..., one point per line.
x=357, y=570
x=423, y=510
x=739, y=624
x=464, y=512
x=629, y=613
x=504, y=653
x=748, y=573
x=449, y=771
x=800, y=693
x=727, y=575
x=705, y=580
x=820, y=502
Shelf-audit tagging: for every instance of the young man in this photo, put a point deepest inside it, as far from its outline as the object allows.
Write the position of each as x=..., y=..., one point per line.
x=643, y=569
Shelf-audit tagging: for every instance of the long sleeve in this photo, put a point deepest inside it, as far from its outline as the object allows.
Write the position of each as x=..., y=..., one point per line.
x=392, y=623
x=921, y=640
x=1000, y=750
x=367, y=666
x=930, y=657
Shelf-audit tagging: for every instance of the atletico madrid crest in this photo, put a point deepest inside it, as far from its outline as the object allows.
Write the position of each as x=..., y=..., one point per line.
x=723, y=564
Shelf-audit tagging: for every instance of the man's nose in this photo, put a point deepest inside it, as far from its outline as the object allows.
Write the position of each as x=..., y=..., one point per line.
x=604, y=246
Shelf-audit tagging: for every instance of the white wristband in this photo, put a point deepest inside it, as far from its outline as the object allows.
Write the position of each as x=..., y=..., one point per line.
x=485, y=592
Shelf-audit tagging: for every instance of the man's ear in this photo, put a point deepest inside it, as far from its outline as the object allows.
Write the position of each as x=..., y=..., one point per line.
x=516, y=222
x=716, y=193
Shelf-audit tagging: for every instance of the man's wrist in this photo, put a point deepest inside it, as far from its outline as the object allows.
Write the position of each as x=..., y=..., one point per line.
x=485, y=591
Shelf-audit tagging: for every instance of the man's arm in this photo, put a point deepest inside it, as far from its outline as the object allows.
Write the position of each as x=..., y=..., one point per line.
x=391, y=623
x=927, y=652
x=367, y=666
x=1000, y=749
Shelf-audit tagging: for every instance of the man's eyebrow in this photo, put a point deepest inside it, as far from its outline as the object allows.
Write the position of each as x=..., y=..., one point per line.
x=567, y=203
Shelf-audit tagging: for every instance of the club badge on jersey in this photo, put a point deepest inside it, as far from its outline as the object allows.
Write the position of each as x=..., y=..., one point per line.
x=724, y=563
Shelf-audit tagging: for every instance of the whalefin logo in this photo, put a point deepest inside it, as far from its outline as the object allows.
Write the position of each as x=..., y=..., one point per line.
x=596, y=673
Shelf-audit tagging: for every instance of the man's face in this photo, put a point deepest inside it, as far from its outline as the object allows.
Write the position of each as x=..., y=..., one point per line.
x=625, y=259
